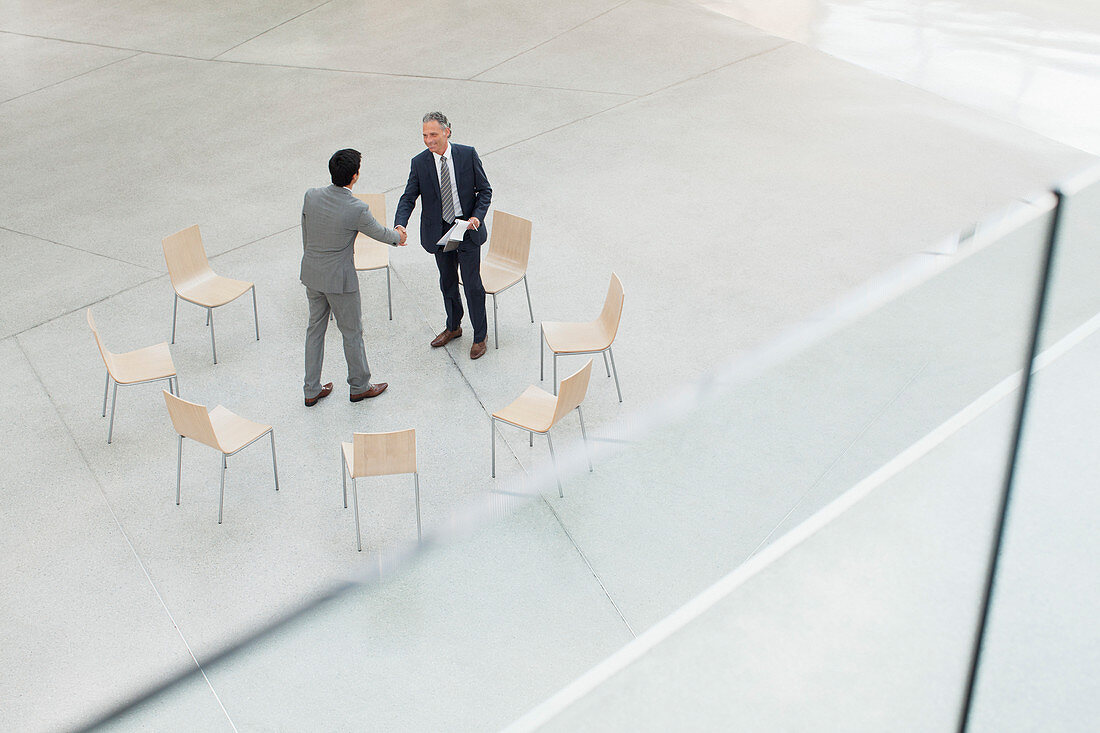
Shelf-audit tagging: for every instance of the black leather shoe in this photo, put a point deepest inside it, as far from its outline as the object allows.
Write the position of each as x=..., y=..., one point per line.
x=325, y=392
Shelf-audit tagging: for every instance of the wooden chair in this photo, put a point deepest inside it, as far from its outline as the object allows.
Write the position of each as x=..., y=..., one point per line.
x=195, y=282
x=505, y=263
x=369, y=254
x=220, y=429
x=587, y=338
x=536, y=411
x=150, y=364
x=378, y=454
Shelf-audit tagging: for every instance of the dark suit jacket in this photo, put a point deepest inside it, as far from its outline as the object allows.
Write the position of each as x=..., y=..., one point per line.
x=474, y=194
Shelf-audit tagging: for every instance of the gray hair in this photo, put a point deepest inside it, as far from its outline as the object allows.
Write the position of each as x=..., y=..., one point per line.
x=438, y=117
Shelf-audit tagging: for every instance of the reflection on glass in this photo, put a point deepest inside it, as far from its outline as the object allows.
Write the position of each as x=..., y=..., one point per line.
x=905, y=407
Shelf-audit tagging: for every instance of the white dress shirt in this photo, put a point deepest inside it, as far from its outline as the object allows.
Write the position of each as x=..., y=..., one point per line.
x=454, y=179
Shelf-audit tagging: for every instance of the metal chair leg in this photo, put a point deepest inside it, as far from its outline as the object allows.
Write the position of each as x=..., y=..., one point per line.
x=175, y=305
x=355, y=502
x=213, y=346
x=106, y=386
x=531, y=438
x=274, y=466
x=584, y=438
x=496, y=336
x=493, y=427
x=344, y=475
x=615, y=372
x=389, y=293
x=221, y=493
x=111, y=427
x=542, y=349
x=416, y=486
x=255, y=313
x=554, y=458
x=529, y=309
x=555, y=374
x=179, y=469
x=605, y=367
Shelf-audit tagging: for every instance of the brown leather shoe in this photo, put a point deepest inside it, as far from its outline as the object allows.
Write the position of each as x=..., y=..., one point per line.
x=477, y=350
x=374, y=391
x=443, y=338
x=326, y=390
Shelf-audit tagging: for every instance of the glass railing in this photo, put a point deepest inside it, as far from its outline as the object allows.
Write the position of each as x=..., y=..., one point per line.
x=800, y=542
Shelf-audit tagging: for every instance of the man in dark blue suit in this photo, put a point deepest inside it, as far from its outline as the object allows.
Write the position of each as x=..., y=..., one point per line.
x=451, y=184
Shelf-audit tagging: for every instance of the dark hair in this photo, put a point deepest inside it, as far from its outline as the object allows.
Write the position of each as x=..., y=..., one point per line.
x=343, y=165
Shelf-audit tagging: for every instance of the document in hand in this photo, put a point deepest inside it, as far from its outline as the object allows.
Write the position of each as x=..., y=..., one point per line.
x=453, y=237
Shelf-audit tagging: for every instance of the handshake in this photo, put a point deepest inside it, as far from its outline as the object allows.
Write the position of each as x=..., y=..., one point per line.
x=474, y=224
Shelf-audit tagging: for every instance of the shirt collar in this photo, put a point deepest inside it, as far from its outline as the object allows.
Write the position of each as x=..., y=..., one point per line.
x=448, y=152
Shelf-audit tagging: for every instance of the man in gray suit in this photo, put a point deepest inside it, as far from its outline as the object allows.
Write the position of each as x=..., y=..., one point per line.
x=331, y=219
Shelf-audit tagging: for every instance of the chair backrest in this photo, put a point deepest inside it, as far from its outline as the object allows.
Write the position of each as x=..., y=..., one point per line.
x=571, y=392
x=377, y=204
x=191, y=420
x=510, y=241
x=108, y=357
x=382, y=454
x=612, y=308
x=185, y=256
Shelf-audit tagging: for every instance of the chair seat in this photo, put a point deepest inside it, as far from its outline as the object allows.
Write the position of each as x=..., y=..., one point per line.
x=532, y=410
x=213, y=290
x=370, y=255
x=565, y=338
x=143, y=365
x=497, y=277
x=233, y=431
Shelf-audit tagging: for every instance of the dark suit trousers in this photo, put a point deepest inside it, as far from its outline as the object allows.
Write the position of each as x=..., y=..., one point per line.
x=466, y=258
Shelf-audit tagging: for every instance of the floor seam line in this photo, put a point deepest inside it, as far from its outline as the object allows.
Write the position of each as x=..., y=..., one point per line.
x=638, y=98
x=277, y=25
x=134, y=286
x=548, y=40
x=74, y=247
x=87, y=305
x=591, y=569
x=82, y=43
x=393, y=75
x=254, y=241
x=118, y=524
x=75, y=76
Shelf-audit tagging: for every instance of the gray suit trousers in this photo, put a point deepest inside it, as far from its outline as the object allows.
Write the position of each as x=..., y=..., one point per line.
x=347, y=309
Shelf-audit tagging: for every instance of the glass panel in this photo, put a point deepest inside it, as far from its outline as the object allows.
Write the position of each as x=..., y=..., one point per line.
x=891, y=416
x=1039, y=667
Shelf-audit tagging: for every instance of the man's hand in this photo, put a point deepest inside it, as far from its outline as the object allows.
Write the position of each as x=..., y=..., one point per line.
x=474, y=223
x=404, y=235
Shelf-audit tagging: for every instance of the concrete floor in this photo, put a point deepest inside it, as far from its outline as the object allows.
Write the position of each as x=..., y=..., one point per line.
x=739, y=182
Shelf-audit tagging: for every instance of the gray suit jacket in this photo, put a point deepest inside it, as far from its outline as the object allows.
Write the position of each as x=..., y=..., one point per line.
x=331, y=217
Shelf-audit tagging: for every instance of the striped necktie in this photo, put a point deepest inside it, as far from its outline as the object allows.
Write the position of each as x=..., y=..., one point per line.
x=445, y=190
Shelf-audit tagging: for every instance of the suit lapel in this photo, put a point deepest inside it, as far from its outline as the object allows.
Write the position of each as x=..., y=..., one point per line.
x=430, y=172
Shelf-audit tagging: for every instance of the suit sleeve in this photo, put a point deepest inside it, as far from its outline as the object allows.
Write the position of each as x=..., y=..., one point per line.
x=407, y=202
x=304, y=200
x=370, y=226
x=482, y=189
